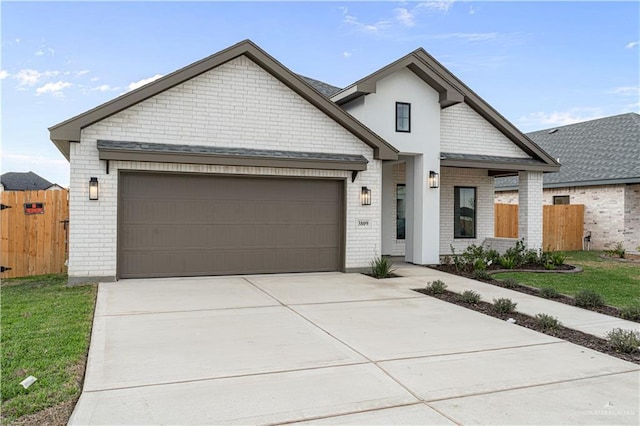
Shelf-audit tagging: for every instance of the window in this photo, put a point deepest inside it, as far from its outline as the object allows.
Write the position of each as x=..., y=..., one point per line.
x=561, y=199
x=400, y=211
x=464, y=207
x=403, y=117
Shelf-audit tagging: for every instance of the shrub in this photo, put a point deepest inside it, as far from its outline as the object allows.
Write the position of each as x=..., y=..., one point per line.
x=549, y=293
x=589, y=299
x=480, y=274
x=557, y=258
x=549, y=266
x=533, y=257
x=479, y=265
x=436, y=287
x=547, y=322
x=508, y=261
x=626, y=341
x=631, y=312
x=381, y=267
x=471, y=297
x=492, y=256
x=504, y=306
x=517, y=253
x=510, y=283
x=618, y=251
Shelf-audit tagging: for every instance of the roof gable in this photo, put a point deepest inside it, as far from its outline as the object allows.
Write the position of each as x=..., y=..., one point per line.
x=69, y=131
x=27, y=181
x=451, y=91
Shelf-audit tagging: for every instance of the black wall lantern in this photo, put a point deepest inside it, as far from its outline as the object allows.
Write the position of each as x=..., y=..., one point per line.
x=434, y=179
x=365, y=196
x=93, y=188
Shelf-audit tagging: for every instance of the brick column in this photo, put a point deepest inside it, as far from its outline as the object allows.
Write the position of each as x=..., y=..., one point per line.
x=530, y=209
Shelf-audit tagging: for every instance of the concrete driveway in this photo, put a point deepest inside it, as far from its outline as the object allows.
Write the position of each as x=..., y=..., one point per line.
x=332, y=348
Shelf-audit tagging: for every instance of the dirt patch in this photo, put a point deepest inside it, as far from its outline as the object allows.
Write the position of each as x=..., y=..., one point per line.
x=567, y=300
x=568, y=334
x=53, y=416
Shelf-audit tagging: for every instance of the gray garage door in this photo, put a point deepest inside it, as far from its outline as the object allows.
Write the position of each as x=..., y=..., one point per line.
x=188, y=225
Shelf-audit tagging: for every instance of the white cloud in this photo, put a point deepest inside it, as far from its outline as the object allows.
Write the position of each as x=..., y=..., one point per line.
x=472, y=11
x=369, y=28
x=632, y=44
x=140, y=83
x=53, y=88
x=404, y=17
x=3, y=74
x=346, y=54
x=627, y=91
x=104, y=88
x=440, y=5
x=29, y=77
x=468, y=36
x=82, y=72
x=39, y=53
x=539, y=120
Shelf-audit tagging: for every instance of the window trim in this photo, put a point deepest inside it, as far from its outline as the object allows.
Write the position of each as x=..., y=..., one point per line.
x=456, y=202
x=408, y=118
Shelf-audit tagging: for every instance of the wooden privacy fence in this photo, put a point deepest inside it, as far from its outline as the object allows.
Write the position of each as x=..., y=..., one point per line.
x=562, y=225
x=34, y=232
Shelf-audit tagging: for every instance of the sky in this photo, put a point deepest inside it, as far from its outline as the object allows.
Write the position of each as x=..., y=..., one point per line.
x=540, y=64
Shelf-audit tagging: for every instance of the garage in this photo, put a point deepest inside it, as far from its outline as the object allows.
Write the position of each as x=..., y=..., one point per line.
x=188, y=225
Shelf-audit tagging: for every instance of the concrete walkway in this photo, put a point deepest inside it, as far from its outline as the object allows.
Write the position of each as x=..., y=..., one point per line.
x=333, y=349
x=580, y=319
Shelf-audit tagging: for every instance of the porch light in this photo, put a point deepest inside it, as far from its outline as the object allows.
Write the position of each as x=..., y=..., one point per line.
x=365, y=196
x=434, y=179
x=93, y=188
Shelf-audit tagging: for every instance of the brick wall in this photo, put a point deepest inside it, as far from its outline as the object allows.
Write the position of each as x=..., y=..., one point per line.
x=611, y=212
x=451, y=177
x=464, y=131
x=238, y=104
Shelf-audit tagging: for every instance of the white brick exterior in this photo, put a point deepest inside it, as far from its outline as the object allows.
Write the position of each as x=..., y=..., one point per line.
x=530, y=209
x=611, y=212
x=451, y=177
x=237, y=104
x=464, y=131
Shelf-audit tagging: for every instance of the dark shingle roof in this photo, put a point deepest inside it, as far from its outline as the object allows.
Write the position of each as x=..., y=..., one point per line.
x=27, y=181
x=322, y=87
x=227, y=152
x=596, y=152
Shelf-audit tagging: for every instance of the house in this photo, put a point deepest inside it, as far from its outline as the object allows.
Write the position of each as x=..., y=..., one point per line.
x=236, y=165
x=26, y=181
x=600, y=169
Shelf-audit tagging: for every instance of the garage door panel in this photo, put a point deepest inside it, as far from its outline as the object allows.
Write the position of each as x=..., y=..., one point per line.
x=181, y=225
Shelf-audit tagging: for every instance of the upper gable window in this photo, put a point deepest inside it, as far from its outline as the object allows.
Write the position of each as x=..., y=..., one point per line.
x=403, y=117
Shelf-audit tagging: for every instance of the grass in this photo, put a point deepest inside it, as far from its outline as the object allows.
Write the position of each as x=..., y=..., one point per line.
x=46, y=328
x=617, y=282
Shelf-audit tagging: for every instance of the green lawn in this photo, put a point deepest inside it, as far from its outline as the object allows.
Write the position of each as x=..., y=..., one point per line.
x=46, y=328
x=617, y=282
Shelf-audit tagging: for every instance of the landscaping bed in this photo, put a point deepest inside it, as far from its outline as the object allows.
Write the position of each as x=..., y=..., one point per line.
x=568, y=334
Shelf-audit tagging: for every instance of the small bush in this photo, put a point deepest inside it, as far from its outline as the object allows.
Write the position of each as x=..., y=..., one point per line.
x=479, y=265
x=589, y=299
x=471, y=297
x=549, y=266
x=480, y=274
x=504, y=306
x=532, y=257
x=381, y=267
x=510, y=283
x=547, y=322
x=631, y=312
x=618, y=251
x=436, y=287
x=549, y=293
x=557, y=258
x=508, y=261
x=626, y=341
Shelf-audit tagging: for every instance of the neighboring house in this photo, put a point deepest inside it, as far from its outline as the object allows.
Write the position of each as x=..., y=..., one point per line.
x=27, y=181
x=236, y=165
x=600, y=169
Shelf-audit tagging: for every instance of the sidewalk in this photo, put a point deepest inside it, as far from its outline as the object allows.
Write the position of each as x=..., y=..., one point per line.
x=594, y=323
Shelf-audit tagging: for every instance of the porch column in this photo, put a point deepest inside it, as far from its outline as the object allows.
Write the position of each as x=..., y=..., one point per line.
x=422, y=244
x=530, y=209
x=388, y=208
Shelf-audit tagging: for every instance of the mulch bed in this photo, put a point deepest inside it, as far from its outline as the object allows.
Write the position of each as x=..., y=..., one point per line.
x=568, y=334
x=567, y=300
